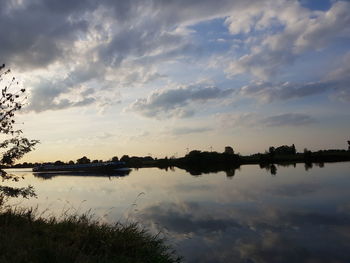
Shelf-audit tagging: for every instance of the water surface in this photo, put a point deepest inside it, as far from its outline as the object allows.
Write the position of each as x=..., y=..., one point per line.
x=297, y=215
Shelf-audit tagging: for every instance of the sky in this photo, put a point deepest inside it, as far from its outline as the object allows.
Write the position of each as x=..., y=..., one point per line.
x=106, y=78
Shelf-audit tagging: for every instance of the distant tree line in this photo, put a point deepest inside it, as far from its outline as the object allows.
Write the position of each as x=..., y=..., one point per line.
x=197, y=162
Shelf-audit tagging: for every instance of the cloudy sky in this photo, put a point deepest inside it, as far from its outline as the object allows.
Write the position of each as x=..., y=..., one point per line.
x=159, y=77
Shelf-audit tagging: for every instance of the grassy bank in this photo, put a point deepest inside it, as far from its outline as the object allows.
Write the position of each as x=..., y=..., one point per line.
x=26, y=238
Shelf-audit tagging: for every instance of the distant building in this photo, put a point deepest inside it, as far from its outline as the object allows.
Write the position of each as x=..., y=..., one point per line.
x=229, y=150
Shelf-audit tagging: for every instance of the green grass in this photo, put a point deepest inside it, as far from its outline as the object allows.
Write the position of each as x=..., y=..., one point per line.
x=25, y=237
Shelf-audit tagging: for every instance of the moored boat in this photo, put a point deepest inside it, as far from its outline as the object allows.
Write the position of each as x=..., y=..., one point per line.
x=89, y=167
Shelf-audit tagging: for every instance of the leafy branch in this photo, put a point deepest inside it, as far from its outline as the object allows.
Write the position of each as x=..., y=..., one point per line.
x=15, y=146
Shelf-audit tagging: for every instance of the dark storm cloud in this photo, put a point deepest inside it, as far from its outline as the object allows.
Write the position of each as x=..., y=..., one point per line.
x=173, y=102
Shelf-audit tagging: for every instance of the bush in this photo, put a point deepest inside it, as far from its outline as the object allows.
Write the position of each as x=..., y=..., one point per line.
x=24, y=237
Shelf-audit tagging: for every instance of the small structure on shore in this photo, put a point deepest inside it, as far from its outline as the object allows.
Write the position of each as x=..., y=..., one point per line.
x=229, y=150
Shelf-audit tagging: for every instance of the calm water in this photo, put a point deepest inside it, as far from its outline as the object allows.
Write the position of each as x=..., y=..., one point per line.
x=251, y=216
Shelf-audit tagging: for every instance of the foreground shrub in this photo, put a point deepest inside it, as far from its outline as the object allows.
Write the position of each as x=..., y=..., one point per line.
x=27, y=238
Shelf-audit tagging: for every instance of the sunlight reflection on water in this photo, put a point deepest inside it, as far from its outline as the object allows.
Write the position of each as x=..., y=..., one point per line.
x=297, y=215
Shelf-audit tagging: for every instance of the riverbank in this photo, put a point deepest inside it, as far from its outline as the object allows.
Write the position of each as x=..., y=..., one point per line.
x=197, y=162
x=25, y=237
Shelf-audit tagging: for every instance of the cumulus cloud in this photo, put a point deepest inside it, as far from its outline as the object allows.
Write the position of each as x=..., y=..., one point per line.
x=105, y=45
x=176, y=102
x=38, y=32
x=49, y=96
x=119, y=42
x=302, y=30
x=59, y=94
x=337, y=82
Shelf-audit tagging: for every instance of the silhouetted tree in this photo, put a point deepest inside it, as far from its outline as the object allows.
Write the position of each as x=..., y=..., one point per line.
x=115, y=159
x=307, y=154
x=230, y=173
x=83, y=160
x=193, y=153
x=348, y=145
x=308, y=166
x=285, y=150
x=294, y=151
x=273, y=169
x=272, y=151
x=15, y=145
x=125, y=158
x=229, y=150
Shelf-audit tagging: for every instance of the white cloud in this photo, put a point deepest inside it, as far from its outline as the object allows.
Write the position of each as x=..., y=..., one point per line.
x=86, y=50
x=176, y=102
x=299, y=30
x=337, y=82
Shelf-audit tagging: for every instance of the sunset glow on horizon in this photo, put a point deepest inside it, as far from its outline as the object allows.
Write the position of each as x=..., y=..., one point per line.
x=107, y=78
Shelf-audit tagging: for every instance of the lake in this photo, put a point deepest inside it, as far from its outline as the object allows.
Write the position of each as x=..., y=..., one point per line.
x=250, y=215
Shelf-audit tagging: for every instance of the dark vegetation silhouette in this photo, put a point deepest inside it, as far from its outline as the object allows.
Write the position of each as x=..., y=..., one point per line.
x=83, y=160
x=198, y=162
x=29, y=238
x=15, y=145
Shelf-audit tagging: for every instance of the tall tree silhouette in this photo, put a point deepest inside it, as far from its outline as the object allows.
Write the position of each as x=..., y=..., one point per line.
x=13, y=145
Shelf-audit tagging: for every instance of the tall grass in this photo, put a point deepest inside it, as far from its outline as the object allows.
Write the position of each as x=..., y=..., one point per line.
x=27, y=237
